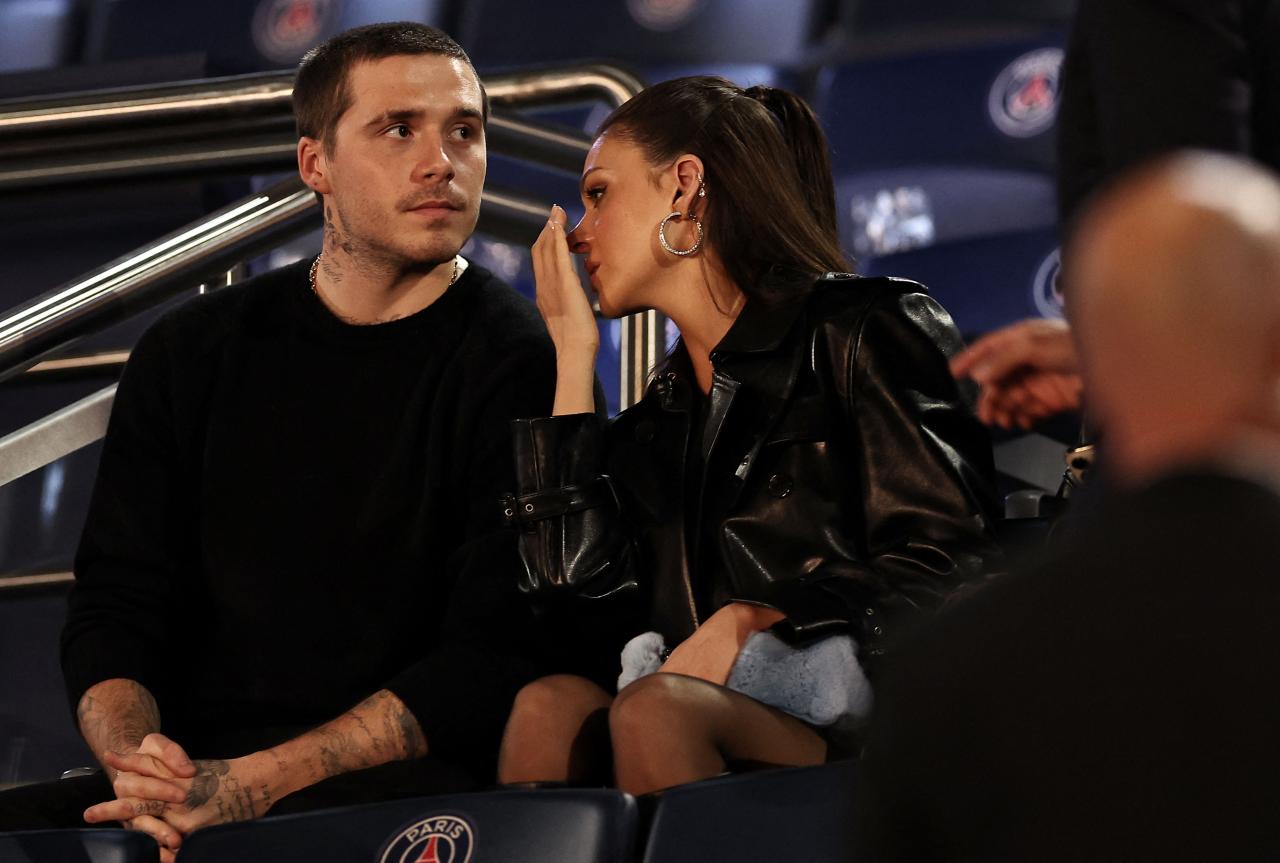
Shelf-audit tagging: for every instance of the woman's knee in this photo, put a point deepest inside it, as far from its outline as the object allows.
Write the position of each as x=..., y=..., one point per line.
x=653, y=703
x=553, y=730
x=559, y=695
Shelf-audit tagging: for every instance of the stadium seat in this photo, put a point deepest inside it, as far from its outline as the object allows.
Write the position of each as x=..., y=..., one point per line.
x=789, y=814
x=955, y=192
x=236, y=35
x=643, y=31
x=984, y=282
x=78, y=846
x=36, y=34
x=568, y=826
x=998, y=110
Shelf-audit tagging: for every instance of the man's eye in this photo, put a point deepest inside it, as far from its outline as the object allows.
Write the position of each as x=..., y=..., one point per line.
x=463, y=132
x=400, y=130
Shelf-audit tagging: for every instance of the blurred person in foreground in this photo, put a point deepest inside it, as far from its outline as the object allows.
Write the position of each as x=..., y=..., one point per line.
x=1141, y=79
x=1120, y=701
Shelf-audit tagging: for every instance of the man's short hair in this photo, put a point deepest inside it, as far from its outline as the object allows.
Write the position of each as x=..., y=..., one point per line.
x=321, y=92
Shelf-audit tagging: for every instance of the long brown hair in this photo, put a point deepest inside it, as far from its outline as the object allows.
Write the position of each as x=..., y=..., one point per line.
x=771, y=212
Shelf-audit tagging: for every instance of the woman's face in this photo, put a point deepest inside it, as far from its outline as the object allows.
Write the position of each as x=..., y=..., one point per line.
x=625, y=199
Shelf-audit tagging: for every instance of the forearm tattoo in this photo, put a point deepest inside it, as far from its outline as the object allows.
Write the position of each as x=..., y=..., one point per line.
x=116, y=714
x=377, y=730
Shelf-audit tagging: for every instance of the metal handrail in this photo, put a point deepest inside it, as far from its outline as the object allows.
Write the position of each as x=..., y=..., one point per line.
x=246, y=123
x=221, y=98
x=59, y=434
x=211, y=245
x=184, y=258
x=175, y=262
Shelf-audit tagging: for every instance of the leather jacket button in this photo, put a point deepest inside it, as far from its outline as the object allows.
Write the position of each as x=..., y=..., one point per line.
x=779, y=485
x=644, y=431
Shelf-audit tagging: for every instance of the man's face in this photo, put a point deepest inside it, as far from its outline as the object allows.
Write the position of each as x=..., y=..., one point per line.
x=407, y=161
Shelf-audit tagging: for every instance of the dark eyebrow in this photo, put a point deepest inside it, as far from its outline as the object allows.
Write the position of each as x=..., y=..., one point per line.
x=397, y=115
x=404, y=115
x=582, y=184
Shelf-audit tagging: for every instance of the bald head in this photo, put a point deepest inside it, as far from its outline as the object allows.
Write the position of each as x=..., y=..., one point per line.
x=1175, y=300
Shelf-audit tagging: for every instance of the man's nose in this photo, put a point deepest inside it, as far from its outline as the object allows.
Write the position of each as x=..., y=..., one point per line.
x=433, y=162
x=579, y=237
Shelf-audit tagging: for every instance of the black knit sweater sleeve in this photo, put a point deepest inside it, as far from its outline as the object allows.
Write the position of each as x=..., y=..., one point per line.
x=124, y=606
x=462, y=689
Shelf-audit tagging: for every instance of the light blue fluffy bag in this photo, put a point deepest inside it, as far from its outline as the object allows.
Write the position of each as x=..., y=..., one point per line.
x=821, y=683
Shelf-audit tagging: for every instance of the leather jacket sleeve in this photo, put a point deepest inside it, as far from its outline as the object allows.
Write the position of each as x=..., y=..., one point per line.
x=924, y=466
x=573, y=537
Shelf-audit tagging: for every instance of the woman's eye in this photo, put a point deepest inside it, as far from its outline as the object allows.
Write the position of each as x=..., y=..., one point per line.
x=400, y=130
x=595, y=193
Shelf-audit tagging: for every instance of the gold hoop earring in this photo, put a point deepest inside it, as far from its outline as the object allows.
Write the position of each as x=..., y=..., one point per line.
x=662, y=234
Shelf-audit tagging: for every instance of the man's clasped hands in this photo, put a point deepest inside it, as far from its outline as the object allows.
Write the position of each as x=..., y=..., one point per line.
x=162, y=792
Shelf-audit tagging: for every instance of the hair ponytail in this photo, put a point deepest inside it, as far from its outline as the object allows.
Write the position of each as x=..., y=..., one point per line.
x=770, y=197
x=807, y=143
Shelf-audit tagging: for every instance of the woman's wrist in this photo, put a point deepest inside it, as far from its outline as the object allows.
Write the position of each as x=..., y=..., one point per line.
x=575, y=379
x=578, y=354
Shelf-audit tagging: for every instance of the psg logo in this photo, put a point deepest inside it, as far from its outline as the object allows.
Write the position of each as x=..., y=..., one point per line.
x=662, y=15
x=284, y=30
x=437, y=839
x=1047, y=290
x=1023, y=101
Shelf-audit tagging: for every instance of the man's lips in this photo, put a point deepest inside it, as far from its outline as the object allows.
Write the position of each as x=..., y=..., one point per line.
x=434, y=207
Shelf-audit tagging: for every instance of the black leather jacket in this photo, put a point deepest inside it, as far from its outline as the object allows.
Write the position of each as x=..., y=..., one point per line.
x=846, y=483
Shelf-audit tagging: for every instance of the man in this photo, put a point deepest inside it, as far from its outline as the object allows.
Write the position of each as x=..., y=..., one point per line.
x=1142, y=79
x=1120, y=702
x=296, y=509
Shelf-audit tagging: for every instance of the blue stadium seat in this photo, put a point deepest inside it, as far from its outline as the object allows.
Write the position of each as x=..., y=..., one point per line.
x=568, y=826
x=981, y=105
x=236, y=35
x=78, y=846
x=984, y=282
x=791, y=814
x=956, y=191
x=36, y=34
x=516, y=32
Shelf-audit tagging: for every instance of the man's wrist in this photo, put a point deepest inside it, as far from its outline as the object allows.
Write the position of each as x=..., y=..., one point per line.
x=275, y=774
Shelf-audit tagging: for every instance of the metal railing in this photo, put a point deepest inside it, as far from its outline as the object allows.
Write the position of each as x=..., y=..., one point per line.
x=146, y=131
x=245, y=123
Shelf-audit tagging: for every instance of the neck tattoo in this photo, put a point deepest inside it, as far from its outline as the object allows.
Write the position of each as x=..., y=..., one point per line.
x=315, y=265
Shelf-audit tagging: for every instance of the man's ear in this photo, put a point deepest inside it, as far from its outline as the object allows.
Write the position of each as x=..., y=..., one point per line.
x=690, y=192
x=313, y=166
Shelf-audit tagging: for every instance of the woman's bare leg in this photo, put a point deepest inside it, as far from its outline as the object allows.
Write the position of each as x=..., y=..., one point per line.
x=558, y=732
x=669, y=729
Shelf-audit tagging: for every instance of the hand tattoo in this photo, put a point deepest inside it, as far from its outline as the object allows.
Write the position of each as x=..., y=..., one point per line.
x=208, y=776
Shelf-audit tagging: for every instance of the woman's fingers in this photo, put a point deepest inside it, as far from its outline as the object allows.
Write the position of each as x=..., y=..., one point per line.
x=560, y=298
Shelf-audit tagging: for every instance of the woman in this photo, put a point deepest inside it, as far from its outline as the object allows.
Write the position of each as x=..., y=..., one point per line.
x=802, y=464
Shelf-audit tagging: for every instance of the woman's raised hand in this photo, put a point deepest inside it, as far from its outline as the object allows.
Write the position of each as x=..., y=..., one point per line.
x=568, y=316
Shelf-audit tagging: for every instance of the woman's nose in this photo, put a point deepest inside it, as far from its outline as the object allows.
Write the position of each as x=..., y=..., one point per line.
x=578, y=237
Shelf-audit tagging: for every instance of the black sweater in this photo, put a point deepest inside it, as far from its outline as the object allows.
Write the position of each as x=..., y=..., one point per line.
x=292, y=512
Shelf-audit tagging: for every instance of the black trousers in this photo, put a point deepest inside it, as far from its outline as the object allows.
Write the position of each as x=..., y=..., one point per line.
x=61, y=803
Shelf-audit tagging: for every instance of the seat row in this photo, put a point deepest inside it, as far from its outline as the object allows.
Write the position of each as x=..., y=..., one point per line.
x=785, y=814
